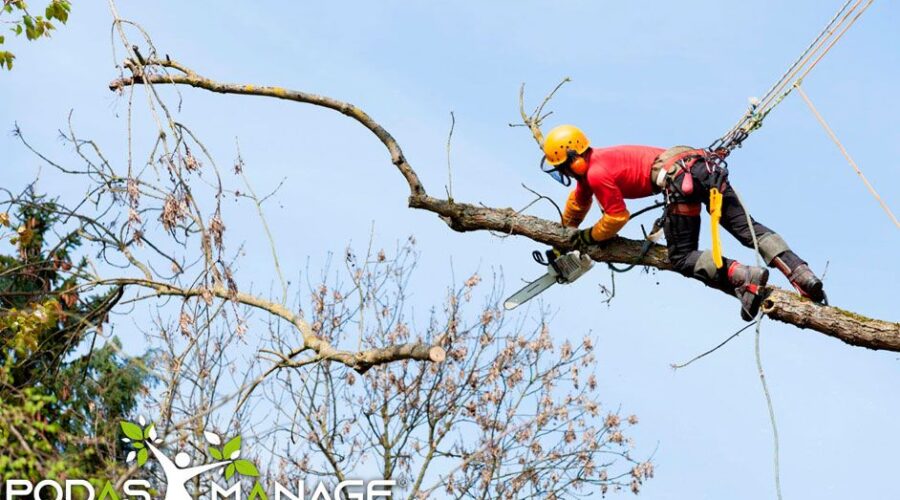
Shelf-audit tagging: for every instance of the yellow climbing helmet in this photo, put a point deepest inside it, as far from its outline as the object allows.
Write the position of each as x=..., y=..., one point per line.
x=560, y=140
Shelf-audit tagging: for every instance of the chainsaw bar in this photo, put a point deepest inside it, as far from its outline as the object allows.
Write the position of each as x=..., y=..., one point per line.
x=564, y=269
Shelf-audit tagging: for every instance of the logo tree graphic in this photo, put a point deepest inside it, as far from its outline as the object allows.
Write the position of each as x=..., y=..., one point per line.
x=143, y=438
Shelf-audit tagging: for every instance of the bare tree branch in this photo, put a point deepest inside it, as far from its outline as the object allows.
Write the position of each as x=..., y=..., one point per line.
x=359, y=361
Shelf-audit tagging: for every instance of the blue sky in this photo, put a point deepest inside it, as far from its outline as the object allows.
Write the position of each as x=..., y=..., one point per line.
x=659, y=73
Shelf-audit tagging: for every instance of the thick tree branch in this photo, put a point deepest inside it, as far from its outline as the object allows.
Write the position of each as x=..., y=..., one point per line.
x=780, y=305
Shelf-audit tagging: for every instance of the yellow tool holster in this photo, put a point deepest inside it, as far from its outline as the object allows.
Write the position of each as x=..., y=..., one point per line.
x=715, y=213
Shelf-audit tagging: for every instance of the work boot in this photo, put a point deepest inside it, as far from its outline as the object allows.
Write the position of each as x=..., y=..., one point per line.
x=803, y=279
x=807, y=283
x=748, y=283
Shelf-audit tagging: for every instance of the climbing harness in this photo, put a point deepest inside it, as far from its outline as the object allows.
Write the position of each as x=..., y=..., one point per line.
x=671, y=172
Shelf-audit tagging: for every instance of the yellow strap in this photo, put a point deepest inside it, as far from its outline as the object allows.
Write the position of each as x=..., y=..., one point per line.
x=715, y=213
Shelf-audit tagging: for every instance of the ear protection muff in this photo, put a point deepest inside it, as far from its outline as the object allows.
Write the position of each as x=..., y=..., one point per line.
x=576, y=163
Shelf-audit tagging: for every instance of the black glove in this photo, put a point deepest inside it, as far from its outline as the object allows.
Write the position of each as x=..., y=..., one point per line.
x=583, y=238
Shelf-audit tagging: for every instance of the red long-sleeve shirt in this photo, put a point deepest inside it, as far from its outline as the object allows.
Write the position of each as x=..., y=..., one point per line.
x=613, y=174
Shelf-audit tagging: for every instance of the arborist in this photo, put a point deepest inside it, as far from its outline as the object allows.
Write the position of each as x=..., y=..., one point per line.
x=686, y=177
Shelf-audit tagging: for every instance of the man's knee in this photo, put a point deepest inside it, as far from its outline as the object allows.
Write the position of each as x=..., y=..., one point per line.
x=683, y=262
x=694, y=264
x=770, y=246
x=704, y=267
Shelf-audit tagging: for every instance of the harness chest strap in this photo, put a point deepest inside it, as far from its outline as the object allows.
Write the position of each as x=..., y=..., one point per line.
x=665, y=164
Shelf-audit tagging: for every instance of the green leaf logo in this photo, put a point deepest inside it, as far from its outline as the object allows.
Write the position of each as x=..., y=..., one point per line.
x=142, y=457
x=229, y=471
x=246, y=468
x=132, y=431
x=232, y=449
